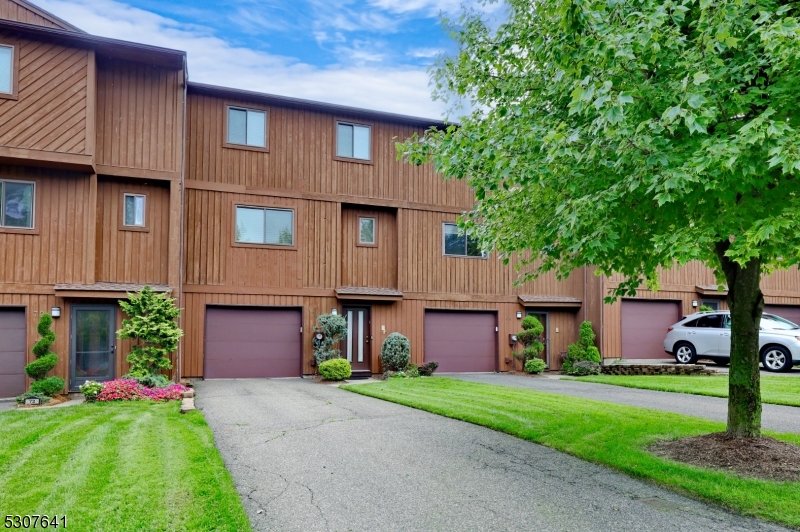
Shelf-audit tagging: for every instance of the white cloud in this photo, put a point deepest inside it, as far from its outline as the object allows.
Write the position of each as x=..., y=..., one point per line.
x=399, y=88
x=424, y=53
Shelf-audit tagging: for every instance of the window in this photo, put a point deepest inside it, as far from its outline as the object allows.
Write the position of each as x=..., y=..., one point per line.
x=352, y=141
x=366, y=231
x=16, y=205
x=247, y=127
x=259, y=225
x=133, y=212
x=6, y=69
x=712, y=321
x=713, y=304
x=458, y=244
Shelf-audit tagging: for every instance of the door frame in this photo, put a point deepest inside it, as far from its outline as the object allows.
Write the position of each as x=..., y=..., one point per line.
x=74, y=308
x=367, y=333
x=529, y=312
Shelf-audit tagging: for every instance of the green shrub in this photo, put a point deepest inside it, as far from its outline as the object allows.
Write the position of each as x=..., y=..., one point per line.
x=21, y=398
x=705, y=308
x=151, y=381
x=535, y=365
x=48, y=386
x=530, y=338
x=151, y=323
x=412, y=371
x=38, y=368
x=335, y=369
x=333, y=329
x=584, y=368
x=583, y=349
x=91, y=389
x=395, y=352
x=427, y=369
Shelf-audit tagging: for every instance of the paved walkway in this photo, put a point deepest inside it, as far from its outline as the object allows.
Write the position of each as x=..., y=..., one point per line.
x=307, y=457
x=773, y=417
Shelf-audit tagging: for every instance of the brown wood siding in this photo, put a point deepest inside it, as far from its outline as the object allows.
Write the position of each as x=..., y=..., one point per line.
x=10, y=10
x=322, y=242
x=50, y=113
x=54, y=251
x=139, y=116
x=132, y=256
x=373, y=266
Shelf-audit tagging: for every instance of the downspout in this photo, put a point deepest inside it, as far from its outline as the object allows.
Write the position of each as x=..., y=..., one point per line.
x=180, y=243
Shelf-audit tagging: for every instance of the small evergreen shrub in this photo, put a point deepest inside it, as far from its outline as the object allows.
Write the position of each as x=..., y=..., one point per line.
x=412, y=371
x=333, y=329
x=395, y=352
x=584, y=368
x=427, y=369
x=48, y=386
x=335, y=369
x=530, y=338
x=152, y=324
x=151, y=381
x=583, y=349
x=535, y=365
x=21, y=398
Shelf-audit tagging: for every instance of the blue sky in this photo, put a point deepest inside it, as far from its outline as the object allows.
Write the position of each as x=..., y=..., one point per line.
x=365, y=53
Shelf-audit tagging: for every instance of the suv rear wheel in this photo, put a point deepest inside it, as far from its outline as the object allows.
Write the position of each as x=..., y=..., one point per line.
x=776, y=358
x=685, y=353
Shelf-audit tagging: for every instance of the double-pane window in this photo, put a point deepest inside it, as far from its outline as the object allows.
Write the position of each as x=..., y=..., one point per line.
x=247, y=127
x=16, y=204
x=134, y=210
x=259, y=225
x=366, y=230
x=352, y=141
x=458, y=244
x=6, y=69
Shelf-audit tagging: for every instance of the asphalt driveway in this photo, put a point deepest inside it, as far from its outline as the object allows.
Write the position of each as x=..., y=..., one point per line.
x=306, y=456
x=773, y=417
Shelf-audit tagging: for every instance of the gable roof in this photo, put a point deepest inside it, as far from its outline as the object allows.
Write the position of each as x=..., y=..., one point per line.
x=24, y=11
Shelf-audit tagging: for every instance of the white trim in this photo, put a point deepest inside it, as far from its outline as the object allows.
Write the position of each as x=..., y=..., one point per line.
x=11, y=67
x=350, y=336
x=361, y=336
x=144, y=209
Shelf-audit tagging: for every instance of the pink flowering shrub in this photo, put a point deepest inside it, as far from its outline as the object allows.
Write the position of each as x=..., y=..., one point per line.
x=131, y=390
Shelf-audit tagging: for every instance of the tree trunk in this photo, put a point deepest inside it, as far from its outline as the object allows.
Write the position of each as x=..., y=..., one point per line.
x=746, y=302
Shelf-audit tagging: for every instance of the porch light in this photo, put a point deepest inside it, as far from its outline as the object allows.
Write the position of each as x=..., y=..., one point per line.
x=694, y=303
x=519, y=314
x=55, y=312
x=335, y=312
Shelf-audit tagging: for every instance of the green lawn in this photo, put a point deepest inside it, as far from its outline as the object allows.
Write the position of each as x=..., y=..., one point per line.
x=604, y=433
x=775, y=390
x=117, y=467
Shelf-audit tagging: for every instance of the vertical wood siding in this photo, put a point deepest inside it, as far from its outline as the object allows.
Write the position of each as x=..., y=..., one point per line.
x=139, y=116
x=373, y=266
x=50, y=113
x=132, y=256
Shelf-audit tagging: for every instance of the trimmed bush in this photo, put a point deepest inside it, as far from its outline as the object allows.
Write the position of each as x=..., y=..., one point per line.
x=151, y=381
x=395, y=352
x=38, y=368
x=583, y=349
x=333, y=329
x=535, y=365
x=91, y=389
x=49, y=386
x=335, y=369
x=584, y=368
x=21, y=398
x=427, y=369
x=530, y=338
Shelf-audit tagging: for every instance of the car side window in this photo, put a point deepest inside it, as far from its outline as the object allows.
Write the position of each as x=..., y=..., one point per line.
x=692, y=323
x=711, y=321
x=726, y=324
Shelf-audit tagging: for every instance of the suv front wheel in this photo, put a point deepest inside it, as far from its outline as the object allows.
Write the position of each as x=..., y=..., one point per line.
x=685, y=353
x=776, y=358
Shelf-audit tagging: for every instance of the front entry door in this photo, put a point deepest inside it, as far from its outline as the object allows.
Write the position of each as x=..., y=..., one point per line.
x=359, y=336
x=545, y=339
x=92, y=344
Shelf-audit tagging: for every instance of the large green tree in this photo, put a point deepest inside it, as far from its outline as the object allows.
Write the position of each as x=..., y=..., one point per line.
x=633, y=135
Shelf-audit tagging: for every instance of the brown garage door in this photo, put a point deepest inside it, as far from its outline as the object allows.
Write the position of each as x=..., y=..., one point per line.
x=787, y=312
x=12, y=352
x=252, y=343
x=644, y=326
x=461, y=341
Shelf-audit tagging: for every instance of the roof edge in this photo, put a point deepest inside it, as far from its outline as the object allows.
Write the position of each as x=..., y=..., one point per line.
x=49, y=16
x=314, y=105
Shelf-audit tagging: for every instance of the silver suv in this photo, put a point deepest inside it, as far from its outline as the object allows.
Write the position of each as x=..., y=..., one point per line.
x=708, y=335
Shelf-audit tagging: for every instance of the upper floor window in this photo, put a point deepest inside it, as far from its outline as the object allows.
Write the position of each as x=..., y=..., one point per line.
x=353, y=141
x=247, y=127
x=261, y=225
x=366, y=231
x=16, y=204
x=6, y=69
x=458, y=244
x=134, y=213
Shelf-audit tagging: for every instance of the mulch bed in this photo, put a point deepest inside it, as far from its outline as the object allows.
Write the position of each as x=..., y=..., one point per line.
x=764, y=458
x=55, y=400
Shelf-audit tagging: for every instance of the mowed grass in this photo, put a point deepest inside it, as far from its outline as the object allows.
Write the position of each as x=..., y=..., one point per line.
x=775, y=390
x=604, y=433
x=117, y=467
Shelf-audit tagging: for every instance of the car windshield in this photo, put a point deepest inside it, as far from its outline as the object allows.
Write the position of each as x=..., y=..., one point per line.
x=775, y=323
